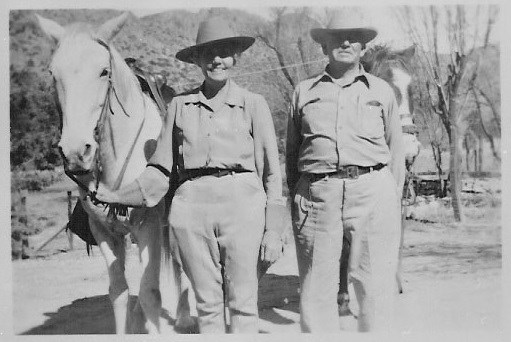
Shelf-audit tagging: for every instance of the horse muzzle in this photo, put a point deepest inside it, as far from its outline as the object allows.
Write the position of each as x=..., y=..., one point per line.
x=78, y=161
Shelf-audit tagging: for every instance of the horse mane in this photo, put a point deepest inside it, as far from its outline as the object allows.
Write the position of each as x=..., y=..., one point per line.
x=124, y=80
x=377, y=55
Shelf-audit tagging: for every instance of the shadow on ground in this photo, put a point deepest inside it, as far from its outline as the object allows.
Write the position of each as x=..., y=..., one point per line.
x=278, y=291
x=91, y=315
x=94, y=315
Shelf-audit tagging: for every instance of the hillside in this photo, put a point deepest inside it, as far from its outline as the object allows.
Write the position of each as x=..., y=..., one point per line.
x=154, y=41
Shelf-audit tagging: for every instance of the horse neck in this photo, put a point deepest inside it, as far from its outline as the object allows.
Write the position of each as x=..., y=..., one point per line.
x=124, y=132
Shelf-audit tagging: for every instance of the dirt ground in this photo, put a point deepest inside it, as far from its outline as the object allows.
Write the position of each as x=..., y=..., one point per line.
x=451, y=273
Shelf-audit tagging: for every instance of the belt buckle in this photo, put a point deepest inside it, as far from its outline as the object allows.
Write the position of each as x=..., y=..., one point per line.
x=352, y=172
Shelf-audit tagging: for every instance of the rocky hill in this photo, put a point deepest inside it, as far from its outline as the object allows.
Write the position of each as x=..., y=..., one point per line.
x=154, y=41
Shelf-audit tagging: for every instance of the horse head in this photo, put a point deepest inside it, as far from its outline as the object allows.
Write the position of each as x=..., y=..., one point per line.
x=82, y=71
x=395, y=68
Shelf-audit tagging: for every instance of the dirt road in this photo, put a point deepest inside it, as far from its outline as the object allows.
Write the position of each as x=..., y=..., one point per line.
x=451, y=283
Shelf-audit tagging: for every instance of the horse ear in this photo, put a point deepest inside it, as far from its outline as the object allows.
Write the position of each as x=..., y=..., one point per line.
x=50, y=28
x=109, y=29
x=409, y=52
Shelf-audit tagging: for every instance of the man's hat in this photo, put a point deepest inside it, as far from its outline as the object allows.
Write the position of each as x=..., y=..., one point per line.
x=345, y=27
x=214, y=31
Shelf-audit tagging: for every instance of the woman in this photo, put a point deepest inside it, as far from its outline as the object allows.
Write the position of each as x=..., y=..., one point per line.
x=221, y=140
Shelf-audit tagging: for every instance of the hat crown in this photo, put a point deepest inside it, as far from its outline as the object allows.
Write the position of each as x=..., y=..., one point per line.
x=212, y=29
x=345, y=24
x=344, y=20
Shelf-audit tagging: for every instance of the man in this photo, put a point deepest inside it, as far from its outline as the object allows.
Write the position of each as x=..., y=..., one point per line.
x=345, y=172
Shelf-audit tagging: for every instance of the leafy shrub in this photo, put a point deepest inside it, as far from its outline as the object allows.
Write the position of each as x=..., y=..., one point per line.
x=35, y=180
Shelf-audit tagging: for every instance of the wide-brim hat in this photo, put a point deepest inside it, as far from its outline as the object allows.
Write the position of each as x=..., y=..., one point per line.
x=345, y=26
x=214, y=31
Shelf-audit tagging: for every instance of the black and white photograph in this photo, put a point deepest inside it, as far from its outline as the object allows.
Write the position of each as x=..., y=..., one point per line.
x=301, y=168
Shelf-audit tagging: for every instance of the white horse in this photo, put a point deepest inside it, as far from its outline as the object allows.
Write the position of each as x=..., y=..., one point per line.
x=109, y=130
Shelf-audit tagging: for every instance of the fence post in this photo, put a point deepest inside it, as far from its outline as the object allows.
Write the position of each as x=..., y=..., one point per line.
x=69, y=214
x=23, y=218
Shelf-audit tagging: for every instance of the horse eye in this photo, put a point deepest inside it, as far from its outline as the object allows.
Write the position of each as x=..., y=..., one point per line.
x=104, y=72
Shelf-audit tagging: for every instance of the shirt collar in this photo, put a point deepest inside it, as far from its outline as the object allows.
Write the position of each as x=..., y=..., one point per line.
x=234, y=95
x=326, y=77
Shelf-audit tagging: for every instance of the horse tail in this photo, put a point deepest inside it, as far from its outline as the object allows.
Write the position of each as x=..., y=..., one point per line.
x=165, y=232
x=168, y=238
x=166, y=251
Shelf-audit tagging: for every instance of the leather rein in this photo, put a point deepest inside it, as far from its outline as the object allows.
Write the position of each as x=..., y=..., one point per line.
x=115, y=209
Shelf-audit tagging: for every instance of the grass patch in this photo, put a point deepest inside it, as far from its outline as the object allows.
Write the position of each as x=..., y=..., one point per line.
x=35, y=180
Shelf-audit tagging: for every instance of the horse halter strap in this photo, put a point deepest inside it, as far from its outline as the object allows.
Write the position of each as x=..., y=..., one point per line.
x=98, y=132
x=111, y=89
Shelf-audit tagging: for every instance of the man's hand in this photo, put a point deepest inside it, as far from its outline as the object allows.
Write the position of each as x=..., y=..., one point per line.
x=271, y=247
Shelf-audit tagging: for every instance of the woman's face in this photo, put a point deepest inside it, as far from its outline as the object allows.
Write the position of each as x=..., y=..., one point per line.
x=216, y=63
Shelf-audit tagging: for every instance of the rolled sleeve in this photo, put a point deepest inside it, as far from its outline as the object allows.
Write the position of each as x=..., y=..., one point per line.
x=154, y=181
x=153, y=186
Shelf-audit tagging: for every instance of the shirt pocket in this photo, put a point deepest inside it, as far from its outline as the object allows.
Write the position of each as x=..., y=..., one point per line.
x=318, y=116
x=371, y=119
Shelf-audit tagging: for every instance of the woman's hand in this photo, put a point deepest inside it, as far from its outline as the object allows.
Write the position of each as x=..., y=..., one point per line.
x=271, y=247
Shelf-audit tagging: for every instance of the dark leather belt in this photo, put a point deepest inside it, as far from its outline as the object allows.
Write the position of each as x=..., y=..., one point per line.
x=350, y=171
x=216, y=172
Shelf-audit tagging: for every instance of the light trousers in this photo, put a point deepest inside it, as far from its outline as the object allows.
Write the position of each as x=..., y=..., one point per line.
x=218, y=223
x=368, y=210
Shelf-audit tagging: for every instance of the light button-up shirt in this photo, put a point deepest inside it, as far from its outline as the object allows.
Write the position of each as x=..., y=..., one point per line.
x=333, y=124
x=239, y=134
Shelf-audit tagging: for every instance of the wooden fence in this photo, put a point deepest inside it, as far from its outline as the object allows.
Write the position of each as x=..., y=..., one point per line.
x=20, y=248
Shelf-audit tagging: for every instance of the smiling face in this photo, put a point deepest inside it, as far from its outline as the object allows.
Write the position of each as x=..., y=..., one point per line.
x=216, y=63
x=342, y=50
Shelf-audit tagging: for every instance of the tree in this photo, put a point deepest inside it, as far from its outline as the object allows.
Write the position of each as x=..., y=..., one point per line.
x=287, y=36
x=448, y=75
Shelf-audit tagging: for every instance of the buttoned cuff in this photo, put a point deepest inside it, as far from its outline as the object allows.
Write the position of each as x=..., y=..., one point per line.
x=153, y=186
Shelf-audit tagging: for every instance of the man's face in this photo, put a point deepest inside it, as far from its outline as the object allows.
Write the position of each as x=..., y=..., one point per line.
x=342, y=50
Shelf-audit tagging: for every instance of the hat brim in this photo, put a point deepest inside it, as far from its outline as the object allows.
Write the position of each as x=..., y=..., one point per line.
x=239, y=44
x=362, y=34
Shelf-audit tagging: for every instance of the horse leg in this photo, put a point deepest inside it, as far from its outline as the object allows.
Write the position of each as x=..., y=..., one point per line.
x=343, y=297
x=149, y=298
x=113, y=251
x=186, y=299
x=179, y=288
x=400, y=256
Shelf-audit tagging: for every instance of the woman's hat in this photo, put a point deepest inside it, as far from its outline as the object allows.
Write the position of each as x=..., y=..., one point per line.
x=214, y=31
x=345, y=27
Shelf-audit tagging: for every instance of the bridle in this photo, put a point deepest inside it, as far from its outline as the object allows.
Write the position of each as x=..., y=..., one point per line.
x=115, y=209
